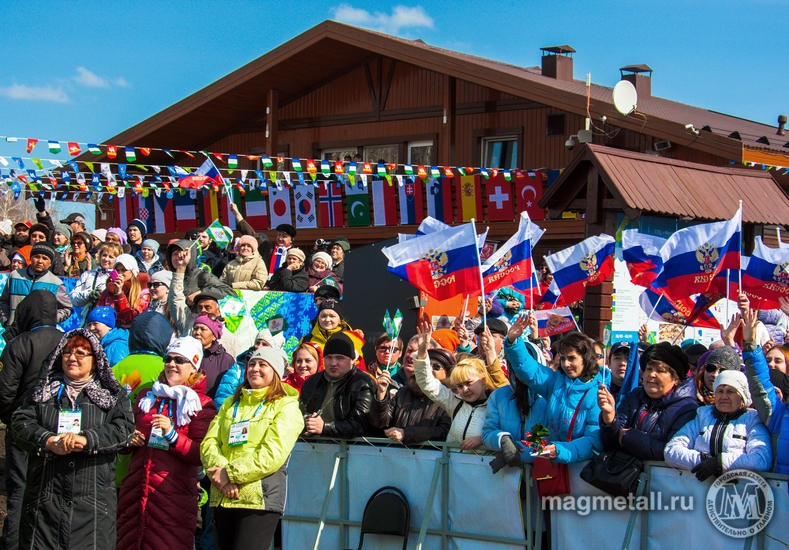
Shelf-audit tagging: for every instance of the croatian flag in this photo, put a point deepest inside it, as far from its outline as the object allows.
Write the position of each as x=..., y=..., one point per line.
x=512, y=262
x=207, y=174
x=589, y=263
x=185, y=215
x=143, y=208
x=641, y=252
x=439, y=199
x=443, y=264
x=767, y=274
x=554, y=321
x=411, y=202
x=661, y=308
x=694, y=255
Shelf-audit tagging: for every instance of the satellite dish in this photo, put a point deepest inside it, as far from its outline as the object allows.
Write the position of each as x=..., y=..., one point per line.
x=625, y=97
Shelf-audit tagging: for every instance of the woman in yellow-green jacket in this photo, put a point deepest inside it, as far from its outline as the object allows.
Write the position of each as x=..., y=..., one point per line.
x=246, y=450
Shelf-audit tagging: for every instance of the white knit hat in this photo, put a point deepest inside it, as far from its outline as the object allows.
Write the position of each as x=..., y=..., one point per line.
x=273, y=356
x=275, y=340
x=736, y=380
x=128, y=261
x=322, y=256
x=189, y=347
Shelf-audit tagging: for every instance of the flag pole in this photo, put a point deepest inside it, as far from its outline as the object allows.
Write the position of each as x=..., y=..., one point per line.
x=481, y=278
x=739, y=264
x=654, y=307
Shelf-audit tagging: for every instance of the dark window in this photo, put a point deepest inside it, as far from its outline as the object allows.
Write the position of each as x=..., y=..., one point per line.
x=554, y=125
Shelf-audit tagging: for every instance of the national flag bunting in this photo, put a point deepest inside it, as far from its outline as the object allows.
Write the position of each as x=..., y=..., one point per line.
x=73, y=148
x=384, y=204
x=468, y=195
x=31, y=144
x=54, y=147
x=439, y=199
x=304, y=199
x=357, y=202
x=330, y=198
x=499, y=195
x=130, y=156
x=528, y=192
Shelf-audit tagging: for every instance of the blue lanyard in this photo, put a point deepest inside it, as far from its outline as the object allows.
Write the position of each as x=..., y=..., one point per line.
x=235, y=409
x=169, y=411
x=60, y=393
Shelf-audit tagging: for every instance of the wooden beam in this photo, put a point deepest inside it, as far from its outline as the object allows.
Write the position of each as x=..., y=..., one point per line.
x=272, y=123
x=387, y=84
x=370, y=86
x=329, y=79
x=447, y=143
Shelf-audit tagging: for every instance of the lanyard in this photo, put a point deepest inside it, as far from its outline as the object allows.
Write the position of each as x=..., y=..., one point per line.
x=169, y=411
x=60, y=393
x=235, y=409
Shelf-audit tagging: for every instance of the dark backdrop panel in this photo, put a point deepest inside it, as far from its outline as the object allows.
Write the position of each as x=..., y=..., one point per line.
x=369, y=289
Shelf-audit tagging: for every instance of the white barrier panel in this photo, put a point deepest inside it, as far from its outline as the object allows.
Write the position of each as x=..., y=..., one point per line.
x=479, y=503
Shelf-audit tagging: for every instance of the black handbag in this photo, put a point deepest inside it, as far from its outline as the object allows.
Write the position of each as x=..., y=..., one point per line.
x=615, y=472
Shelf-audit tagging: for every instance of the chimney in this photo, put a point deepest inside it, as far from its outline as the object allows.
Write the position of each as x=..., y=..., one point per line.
x=557, y=62
x=640, y=76
x=781, y=124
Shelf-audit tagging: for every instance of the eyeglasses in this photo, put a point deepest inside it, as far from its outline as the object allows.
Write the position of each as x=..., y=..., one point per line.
x=713, y=368
x=177, y=359
x=387, y=349
x=77, y=243
x=78, y=353
x=600, y=356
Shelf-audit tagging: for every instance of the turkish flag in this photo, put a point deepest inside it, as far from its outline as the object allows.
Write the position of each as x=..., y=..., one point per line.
x=528, y=190
x=499, y=194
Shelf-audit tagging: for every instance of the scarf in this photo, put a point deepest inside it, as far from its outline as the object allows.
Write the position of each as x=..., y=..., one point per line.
x=75, y=387
x=186, y=399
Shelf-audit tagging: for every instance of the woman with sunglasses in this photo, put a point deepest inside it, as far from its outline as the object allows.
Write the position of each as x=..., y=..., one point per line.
x=216, y=361
x=387, y=356
x=126, y=290
x=79, y=260
x=171, y=421
x=717, y=361
x=72, y=425
x=246, y=450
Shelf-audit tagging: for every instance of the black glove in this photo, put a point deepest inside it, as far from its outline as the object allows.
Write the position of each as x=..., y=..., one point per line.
x=708, y=467
x=40, y=204
x=509, y=451
x=497, y=463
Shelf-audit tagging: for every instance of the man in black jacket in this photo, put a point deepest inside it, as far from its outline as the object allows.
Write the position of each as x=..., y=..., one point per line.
x=336, y=402
x=36, y=318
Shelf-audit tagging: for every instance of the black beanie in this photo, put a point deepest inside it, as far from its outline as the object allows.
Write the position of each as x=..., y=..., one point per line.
x=330, y=303
x=43, y=248
x=340, y=344
x=673, y=356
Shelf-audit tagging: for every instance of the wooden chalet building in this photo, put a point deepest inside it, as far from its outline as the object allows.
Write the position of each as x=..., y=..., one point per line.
x=338, y=90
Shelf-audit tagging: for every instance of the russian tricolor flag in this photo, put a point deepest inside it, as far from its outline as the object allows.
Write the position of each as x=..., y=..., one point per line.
x=767, y=274
x=694, y=255
x=443, y=264
x=554, y=321
x=512, y=263
x=641, y=253
x=662, y=308
x=589, y=263
x=550, y=298
x=207, y=174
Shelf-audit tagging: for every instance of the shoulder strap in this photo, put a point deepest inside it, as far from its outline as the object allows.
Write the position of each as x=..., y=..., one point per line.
x=457, y=409
x=575, y=415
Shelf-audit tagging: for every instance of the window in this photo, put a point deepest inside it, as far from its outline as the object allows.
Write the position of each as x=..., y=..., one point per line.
x=554, y=125
x=338, y=154
x=420, y=152
x=500, y=152
x=387, y=153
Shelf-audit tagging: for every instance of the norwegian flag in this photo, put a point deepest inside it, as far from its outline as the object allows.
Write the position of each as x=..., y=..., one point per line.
x=330, y=198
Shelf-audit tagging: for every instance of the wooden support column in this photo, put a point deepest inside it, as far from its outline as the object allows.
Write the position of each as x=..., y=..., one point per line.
x=447, y=146
x=272, y=123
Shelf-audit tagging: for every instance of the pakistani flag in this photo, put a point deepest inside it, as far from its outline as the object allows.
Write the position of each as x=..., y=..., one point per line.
x=357, y=200
x=54, y=147
x=219, y=234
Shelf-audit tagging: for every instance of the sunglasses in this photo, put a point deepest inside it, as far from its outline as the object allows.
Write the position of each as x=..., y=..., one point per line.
x=154, y=286
x=79, y=354
x=387, y=349
x=712, y=368
x=177, y=359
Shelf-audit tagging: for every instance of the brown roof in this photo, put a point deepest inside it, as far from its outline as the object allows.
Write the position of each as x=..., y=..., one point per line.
x=675, y=188
x=329, y=47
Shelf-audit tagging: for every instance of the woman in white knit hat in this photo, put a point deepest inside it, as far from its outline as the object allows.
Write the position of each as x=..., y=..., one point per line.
x=724, y=436
x=126, y=290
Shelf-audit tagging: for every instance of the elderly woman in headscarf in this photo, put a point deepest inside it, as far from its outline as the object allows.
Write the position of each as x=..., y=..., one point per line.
x=248, y=271
x=72, y=425
x=320, y=272
x=172, y=419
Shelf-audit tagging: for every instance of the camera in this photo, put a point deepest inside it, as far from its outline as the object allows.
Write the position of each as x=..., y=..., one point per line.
x=322, y=245
x=321, y=242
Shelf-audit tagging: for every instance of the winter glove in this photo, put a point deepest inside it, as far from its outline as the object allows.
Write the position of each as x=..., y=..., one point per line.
x=94, y=295
x=40, y=204
x=497, y=463
x=510, y=452
x=708, y=467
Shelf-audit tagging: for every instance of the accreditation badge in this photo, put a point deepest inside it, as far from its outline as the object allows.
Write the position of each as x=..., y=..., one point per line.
x=69, y=421
x=157, y=440
x=239, y=433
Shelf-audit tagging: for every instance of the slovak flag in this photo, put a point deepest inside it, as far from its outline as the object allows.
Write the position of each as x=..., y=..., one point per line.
x=589, y=263
x=207, y=174
x=641, y=252
x=411, y=202
x=512, y=262
x=767, y=274
x=694, y=255
x=443, y=264
x=554, y=321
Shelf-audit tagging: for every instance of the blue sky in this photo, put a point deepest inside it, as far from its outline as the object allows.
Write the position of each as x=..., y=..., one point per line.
x=85, y=71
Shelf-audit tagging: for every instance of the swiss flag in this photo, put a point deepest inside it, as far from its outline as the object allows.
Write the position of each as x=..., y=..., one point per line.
x=528, y=190
x=330, y=198
x=499, y=194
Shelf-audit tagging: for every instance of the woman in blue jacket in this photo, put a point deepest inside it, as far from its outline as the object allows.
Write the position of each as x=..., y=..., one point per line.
x=573, y=387
x=512, y=411
x=651, y=414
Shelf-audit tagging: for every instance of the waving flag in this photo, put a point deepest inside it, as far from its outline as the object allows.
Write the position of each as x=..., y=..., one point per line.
x=641, y=252
x=442, y=264
x=551, y=296
x=554, y=321
x=767, y=274
x=694, y=255
x=533, y=298
x=207, y=174
x=512, y=262
x=680, y=312
x=589, y=263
